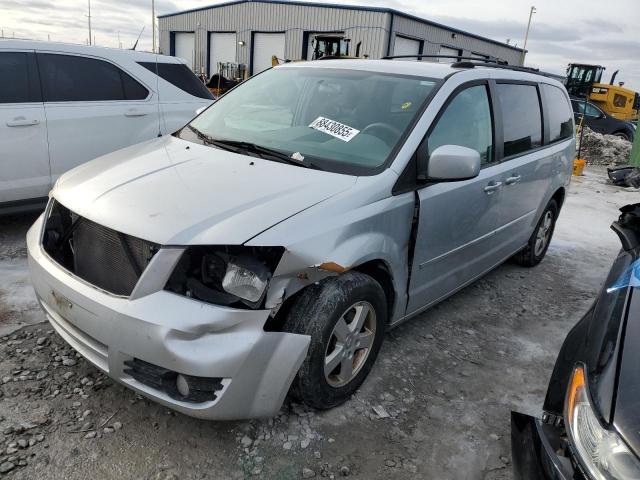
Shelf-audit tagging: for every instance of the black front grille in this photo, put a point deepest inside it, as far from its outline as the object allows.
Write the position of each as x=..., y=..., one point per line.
x=101, y=256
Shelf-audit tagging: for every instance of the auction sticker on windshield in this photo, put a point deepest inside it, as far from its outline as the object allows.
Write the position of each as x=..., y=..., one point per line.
x=335, y=129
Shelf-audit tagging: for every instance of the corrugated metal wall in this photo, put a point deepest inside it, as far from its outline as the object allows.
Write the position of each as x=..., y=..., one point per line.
x=369, y=27
x=434, y=37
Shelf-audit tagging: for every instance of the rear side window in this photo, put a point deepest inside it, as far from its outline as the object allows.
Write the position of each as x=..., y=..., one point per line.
x=19, y=78
x=68, y=78
x=179, y=75
x=521, y=117
x=559, y=114
x=466, y=121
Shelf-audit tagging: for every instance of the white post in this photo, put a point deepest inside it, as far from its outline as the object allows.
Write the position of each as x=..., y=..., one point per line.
x=153, y=25
x=526, y=35
x=89, y=21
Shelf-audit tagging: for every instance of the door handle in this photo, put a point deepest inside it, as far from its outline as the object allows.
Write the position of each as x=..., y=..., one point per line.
x=134, y=112
x=492, y=187
x=22, y=122
x=512, y=179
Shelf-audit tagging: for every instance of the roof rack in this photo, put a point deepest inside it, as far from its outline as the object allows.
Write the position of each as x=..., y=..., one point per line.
x=495, y=60
x=515, y=68
x=471, y=62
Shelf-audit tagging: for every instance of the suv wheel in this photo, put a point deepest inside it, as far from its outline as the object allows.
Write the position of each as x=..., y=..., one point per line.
x=346, y=318
x=536, y=248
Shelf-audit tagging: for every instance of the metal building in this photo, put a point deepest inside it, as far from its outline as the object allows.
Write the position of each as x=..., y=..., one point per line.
x=250, y=32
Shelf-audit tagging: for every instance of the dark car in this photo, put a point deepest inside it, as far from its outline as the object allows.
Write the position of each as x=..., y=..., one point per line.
x=600, y=121
x=590, y=428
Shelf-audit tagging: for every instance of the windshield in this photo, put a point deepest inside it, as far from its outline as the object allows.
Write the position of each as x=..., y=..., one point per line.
x=338, y=120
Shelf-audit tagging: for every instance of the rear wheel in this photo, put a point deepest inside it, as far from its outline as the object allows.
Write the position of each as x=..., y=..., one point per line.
x=346, y=318
x=623, y=135
x=536, y=248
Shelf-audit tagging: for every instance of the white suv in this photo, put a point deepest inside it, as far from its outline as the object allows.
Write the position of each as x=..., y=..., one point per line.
x=62, y=105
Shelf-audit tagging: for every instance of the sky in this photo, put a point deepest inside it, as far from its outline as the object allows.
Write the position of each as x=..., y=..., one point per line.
x=562, y=31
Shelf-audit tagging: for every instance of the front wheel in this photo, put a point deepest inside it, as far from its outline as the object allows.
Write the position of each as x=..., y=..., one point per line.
x=345, y=317
x=536, y=248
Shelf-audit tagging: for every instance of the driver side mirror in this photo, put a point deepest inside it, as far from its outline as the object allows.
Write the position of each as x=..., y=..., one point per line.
x=448, y=163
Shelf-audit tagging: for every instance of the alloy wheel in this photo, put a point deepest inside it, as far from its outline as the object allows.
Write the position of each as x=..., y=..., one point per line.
x=349, y=344
x=544, y=233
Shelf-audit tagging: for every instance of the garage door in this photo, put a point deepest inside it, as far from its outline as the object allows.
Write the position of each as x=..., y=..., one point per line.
x=449, y=51
x=185, y=47
x=406, y=46
x=265, y=45
x=222, y=49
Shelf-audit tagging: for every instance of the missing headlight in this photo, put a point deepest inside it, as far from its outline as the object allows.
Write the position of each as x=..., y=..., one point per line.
x=235, y=276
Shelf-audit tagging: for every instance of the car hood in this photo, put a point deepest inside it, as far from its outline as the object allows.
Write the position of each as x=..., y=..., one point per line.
x=627, y=406
x=175, y=192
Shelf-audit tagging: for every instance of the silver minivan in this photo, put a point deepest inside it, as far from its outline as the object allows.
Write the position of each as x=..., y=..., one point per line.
x=265, y=247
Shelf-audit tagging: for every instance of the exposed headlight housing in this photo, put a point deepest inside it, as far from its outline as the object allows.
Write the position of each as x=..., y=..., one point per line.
x=600, y=451
x=233, y=275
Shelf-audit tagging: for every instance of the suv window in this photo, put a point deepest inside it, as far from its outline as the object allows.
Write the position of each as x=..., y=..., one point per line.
x=521, y=117
x=179, y=75
x=68, y=78
x=559, y=115
x=18, y=78
x=466, y=121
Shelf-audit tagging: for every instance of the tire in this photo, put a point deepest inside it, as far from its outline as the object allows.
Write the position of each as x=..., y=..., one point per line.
x=623, y=135
x=317, y=312
x=534, y=252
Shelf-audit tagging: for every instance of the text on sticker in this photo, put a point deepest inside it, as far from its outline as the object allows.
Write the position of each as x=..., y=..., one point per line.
x=335, y=129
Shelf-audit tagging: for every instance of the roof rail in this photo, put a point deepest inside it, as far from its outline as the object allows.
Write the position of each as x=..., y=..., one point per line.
x=515, y=68
x=493, y=60
x=471, y=62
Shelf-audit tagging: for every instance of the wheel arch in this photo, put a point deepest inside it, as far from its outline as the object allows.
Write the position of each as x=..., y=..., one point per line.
x=377, y=269
x=381, y=273
x=627, y=132
x=559, y=196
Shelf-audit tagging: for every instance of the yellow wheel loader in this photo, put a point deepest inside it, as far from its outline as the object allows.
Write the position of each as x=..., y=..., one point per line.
x=585, y=81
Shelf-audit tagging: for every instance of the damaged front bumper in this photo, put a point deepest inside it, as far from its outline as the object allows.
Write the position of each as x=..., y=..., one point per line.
x=145, y=343
x=536, y=450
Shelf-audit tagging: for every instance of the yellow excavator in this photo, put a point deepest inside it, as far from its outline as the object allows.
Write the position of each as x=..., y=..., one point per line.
x=584, y=80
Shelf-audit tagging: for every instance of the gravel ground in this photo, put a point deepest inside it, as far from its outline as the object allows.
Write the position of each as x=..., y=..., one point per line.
x=437, y=404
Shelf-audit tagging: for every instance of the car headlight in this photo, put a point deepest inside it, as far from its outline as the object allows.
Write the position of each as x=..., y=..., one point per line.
x=234, y=275
x=600, y=451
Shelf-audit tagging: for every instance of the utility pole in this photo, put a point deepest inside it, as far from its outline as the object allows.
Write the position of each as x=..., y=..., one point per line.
x=153, y=25
x=526, y=35
x=89, y=21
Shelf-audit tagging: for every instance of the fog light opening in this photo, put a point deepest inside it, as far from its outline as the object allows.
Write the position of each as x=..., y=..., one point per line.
x=182, y=385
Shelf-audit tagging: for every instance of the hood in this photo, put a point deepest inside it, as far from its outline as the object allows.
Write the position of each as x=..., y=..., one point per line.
x=175, y=192
x=627, y=396
x=626, y=418
x=627, y=406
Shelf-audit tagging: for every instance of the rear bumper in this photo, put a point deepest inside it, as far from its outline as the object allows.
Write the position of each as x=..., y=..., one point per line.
x=533, y=448
x=174, y=333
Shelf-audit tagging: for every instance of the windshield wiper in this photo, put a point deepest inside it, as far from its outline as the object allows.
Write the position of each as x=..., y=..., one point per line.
x=264, y=152
x=207, y=140
x=237, y=146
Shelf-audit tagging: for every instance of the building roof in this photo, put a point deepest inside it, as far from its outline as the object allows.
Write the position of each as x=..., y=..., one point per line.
x=347, y=7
